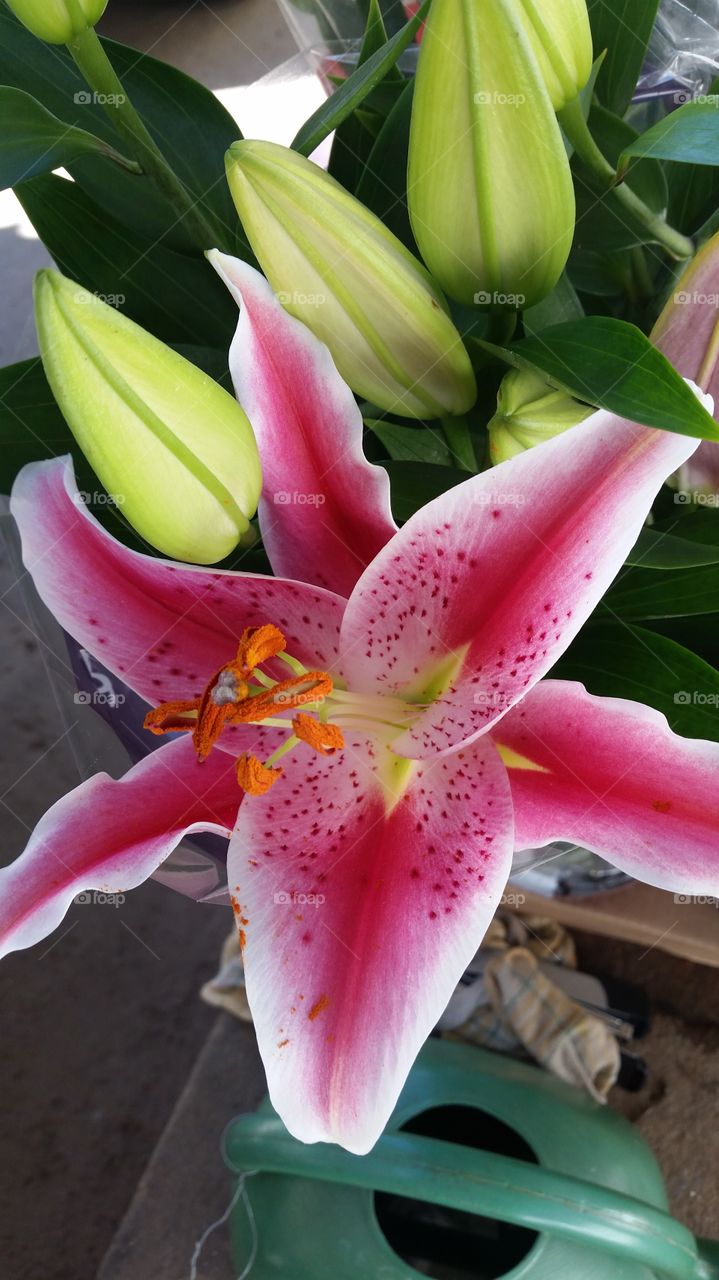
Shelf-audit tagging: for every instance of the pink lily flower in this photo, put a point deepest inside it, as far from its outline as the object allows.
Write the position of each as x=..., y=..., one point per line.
x=687, y=333
x=419, y=743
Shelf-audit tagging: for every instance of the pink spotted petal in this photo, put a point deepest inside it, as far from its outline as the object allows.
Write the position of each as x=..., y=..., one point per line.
x=486, y=586
x=111, y=836
x=163, y=628
x=686, y=333
x=611, y=776
x=325, y=510
x=358, y=923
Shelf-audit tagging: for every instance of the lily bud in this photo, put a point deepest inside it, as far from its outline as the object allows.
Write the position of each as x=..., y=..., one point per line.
x=561, y=38
x=528, y=412
x=336, y=267
x=58, y=21
x=490, y=192
x=174, y=450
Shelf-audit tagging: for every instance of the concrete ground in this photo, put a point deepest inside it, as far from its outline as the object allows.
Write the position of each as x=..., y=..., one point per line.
x=101, y=1024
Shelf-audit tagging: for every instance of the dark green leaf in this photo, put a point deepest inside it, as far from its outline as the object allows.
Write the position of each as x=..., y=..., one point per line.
x=177, y=297
x=613, y=365
x=411, y=444
x=413, y=484
x=31, y=425
x=383, y=184
x=689, y=135
x=355, y=89
x=354, y=139
x=693, y=191
x=655, y=549
x=617, y=660
x=603, y=224
x=189, y=124
x=561, y=305
x=623, y=28
x=644, y=594
x=33, y=140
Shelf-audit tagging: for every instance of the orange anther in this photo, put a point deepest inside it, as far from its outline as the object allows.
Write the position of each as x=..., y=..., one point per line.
x=325, y=738
x=255, y=777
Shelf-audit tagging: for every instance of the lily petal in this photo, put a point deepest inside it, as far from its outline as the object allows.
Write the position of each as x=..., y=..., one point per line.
x=485, y=587
x=111, y=835
x=357, y=921
x=325, y=510
x=611, y=775
x=163, y=628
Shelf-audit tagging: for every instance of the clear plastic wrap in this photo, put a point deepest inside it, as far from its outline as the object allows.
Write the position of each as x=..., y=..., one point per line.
x=683, y=55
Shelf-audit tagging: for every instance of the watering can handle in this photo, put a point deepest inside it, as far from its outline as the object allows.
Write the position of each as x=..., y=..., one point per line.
x=496, y=1186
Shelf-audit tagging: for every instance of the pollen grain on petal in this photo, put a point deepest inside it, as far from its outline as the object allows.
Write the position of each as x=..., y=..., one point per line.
x=318, y=1007
x=324, y=738
x=255, y=777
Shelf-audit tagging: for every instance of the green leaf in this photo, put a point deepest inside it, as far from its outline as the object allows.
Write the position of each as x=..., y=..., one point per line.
x=413, y=484
x=617, y=660
x=613, y=365
x=693, y=191
x=356, y=88
x=623, y=28
x=177, y=297
x=561, y=305
x=689, y=135
x=383, y=184
x=33, y=140
x=603, y=224
x=187, y=121
x=411, y=444
x=644, y=594
x=354, y=139
x=658, y=550
x=31, y=425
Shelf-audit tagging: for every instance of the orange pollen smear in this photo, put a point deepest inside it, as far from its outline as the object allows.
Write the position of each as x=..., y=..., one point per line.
x=230, y=699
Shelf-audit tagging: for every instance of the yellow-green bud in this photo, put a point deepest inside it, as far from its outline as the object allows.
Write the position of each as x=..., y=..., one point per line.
x=490, y=191
x=528, y=412
x=561, y=37
x=335, y=266
x=58, y=21
x=173, y=448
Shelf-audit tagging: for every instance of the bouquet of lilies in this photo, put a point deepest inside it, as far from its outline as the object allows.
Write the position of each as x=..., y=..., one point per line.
x=385, y=600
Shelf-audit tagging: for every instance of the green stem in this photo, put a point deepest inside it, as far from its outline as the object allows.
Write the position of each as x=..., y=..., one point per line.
x=457, y=435
x=576, y=128
x=91, y=59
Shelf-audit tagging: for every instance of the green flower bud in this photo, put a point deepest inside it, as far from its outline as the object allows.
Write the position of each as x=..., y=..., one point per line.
x=335, y=266
x=528, y=412
x=561, y=38
x=490, y=191
x=172, y=447
x=58, y=21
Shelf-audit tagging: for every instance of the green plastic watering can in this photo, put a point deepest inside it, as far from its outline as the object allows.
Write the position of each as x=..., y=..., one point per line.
x=488, y=1168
